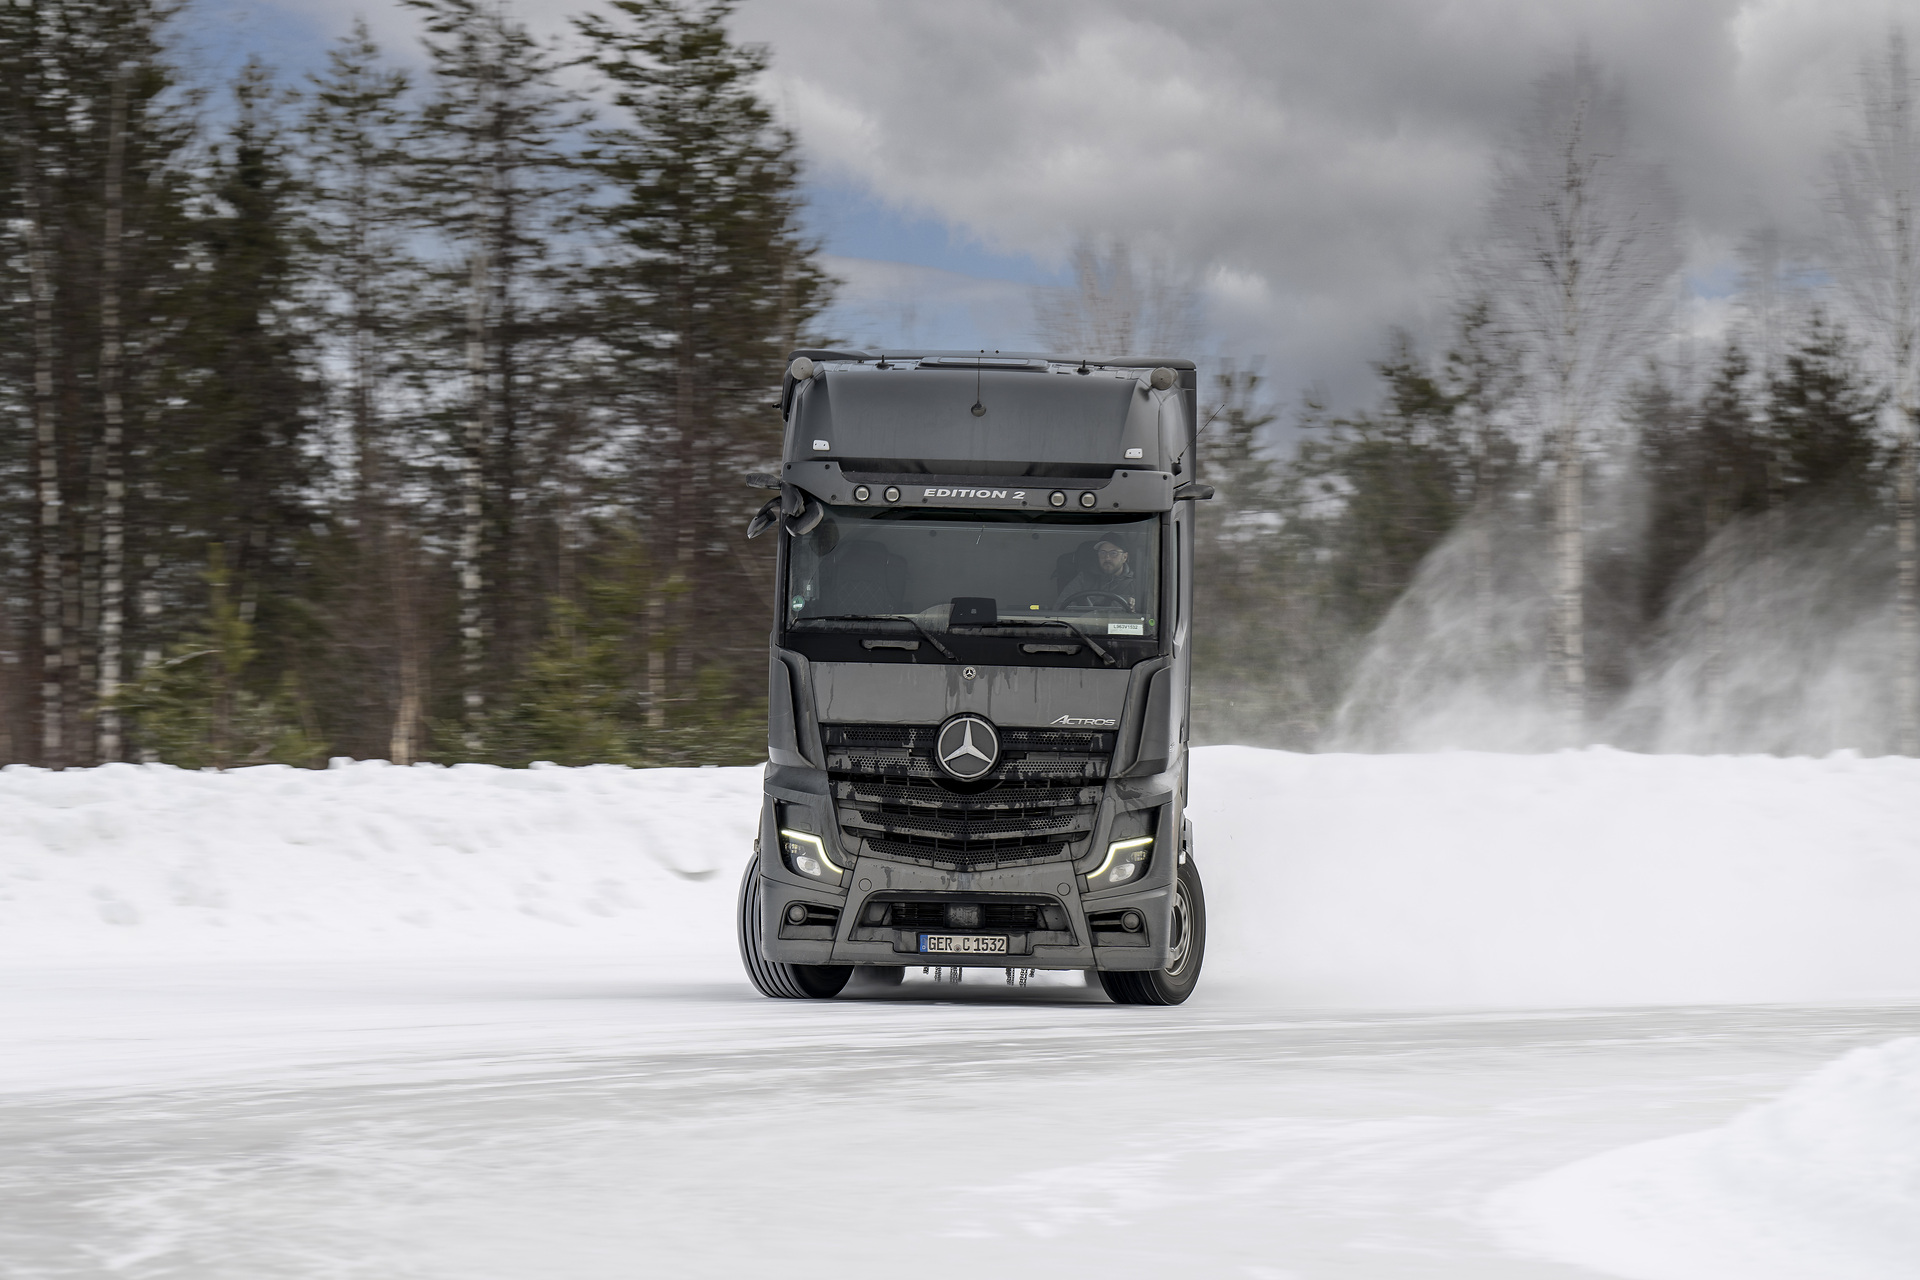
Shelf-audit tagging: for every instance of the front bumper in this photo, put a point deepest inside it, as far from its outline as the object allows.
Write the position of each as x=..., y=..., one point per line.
x=837, y=927
x=875, y=886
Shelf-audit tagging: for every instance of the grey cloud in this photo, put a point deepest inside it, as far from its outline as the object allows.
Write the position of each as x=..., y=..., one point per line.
x=1318, y=161
x=1324, y=157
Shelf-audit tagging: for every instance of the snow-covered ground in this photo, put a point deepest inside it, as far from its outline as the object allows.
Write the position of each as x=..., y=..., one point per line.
x=473, y=1023
x=1822, y=1181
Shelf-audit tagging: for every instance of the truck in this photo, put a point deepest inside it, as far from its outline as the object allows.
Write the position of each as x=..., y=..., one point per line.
x=978, y=685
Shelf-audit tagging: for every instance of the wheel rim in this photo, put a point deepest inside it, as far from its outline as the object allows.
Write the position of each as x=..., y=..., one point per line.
x=1180, y=947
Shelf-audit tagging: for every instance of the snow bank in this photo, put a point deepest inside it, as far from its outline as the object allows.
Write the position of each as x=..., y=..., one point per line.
x=1823, y=1181
x=128, y=860
x=1459, y=879
x=1592, y=877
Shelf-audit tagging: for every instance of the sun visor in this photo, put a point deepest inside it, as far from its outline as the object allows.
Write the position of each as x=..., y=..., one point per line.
x=1029, y=423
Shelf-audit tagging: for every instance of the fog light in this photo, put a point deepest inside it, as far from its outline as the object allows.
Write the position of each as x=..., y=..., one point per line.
x=963, y=915
x=861, y=493
x=1087, y=499
x=1131, y=921
x=797, y=914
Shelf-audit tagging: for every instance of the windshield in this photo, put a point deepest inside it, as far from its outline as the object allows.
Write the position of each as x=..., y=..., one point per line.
x=981, y=568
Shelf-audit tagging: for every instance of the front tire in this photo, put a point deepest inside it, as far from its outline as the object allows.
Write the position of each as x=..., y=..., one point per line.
x=1187, y=949
x=771, y=977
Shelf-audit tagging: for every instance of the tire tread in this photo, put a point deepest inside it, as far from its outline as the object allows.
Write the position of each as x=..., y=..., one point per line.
x=772, y=978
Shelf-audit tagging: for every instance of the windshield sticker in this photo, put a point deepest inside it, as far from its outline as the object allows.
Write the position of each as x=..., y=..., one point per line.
x=1125, y=629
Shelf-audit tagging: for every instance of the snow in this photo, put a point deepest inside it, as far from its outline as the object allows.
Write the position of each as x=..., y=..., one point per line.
x=1822, y=1181
x=1464, y=879
x=1592, y=877
x=438, y=1021
x=151, y=862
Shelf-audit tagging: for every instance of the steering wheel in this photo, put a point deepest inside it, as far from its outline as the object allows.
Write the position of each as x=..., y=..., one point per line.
x=1096, y=600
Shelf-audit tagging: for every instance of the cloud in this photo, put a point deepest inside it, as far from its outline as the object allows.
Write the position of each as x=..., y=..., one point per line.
x=1318, y=162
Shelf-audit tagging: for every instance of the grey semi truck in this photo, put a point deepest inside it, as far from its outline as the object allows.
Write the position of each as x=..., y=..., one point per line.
x=978, y=687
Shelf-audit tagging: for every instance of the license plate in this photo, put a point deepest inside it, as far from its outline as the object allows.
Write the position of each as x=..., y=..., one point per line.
x=962, y=944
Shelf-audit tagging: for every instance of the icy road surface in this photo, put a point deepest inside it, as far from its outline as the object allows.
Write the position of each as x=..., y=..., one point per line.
x=585, y=1121
x=471, y=1023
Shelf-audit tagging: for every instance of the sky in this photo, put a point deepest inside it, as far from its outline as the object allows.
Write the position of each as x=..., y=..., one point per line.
x=1313, y=166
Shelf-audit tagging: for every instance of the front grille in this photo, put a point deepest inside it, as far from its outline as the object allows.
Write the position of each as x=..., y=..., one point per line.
x=1037, y=805
x=993, y=915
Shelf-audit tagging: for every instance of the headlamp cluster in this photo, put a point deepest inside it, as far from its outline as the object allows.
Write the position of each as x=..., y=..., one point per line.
x=1129, y=850
x=804, y=852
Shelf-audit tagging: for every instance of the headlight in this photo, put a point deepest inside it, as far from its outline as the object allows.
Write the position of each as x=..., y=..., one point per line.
x=807, y=854
x=1130, y=850
x=1125, y=859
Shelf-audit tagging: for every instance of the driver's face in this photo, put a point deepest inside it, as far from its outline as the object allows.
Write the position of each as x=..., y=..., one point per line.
x=1112, y=558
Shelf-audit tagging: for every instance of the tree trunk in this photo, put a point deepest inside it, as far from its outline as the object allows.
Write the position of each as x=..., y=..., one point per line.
x=1570, y=556
x=1717, y=515
x=472, y=512
x=113, y=429
x=1907, y=685
x=46, y=439
x=403, y=746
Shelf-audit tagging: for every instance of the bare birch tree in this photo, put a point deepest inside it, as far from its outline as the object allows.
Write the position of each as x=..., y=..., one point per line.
x=1579, y=261
x=1117, y=307
x=1875, y=190
x=110, y=464
x=26, y=104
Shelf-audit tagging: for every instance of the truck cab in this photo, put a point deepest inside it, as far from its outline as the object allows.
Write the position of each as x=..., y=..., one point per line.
x=978, y=681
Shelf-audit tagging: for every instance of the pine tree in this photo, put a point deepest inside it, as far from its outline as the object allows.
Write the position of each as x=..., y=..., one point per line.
x=365, y=284
x=194, y=706
x=496, y=186
x=712, y=285
x=229, y=463
x=1398, y=480
x=1822, y=414
x=93, y=170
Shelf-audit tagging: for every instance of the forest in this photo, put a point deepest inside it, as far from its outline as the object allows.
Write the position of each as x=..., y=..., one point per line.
x=404, y=415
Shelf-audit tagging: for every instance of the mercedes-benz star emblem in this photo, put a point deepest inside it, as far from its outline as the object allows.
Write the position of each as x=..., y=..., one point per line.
x=968, y=747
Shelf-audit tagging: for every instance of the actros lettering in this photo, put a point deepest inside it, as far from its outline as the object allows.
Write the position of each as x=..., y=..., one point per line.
x=1086, y=720
x=1015, y=495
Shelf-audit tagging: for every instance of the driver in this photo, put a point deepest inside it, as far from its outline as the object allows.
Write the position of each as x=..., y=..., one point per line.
x=1113, y=578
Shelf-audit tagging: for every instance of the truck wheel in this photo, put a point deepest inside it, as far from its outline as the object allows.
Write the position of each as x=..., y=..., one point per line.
x=1173, y=984
x=770, y=977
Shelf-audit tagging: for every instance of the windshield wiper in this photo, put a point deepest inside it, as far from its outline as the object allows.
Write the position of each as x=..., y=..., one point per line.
x=907, y=618
x=1092, y=644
